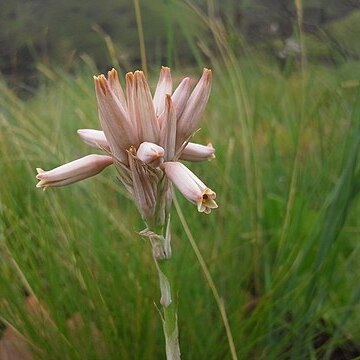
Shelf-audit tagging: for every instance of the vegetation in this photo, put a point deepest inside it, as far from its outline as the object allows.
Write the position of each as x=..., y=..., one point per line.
x=62, y=33
x=282, y=249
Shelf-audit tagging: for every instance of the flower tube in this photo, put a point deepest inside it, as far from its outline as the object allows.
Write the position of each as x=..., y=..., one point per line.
x=191, y=186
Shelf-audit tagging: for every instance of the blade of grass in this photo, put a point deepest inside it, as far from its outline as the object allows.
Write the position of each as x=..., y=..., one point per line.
x=141, y=36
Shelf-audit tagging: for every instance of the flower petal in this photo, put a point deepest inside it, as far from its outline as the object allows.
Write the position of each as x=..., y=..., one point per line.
x=115, y=86
x=147, y=124
x=131, y=102
x=168, y=130
x=181, y=96
x=194, y=108
x=119, y=132
x=163, y=88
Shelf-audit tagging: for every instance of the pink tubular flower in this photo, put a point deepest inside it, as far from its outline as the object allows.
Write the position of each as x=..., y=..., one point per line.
x=191, y=186
x=73, y=171
x=145, y=136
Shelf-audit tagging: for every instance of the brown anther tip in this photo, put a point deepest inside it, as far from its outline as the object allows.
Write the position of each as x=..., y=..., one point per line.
x=140, y=79
x=112, y=73
x=139, y=74
x=208, y=74
x=101, y=83
x=129, y=77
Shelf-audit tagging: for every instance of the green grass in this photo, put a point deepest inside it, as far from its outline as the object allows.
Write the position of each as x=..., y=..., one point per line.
x=286, y=234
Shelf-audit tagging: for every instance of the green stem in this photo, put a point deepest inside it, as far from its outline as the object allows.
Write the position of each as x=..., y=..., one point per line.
x=160, y=240
x=169, y=312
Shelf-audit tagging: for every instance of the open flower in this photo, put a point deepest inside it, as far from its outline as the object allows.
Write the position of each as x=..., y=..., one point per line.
x=191, y=186
x=144, y=137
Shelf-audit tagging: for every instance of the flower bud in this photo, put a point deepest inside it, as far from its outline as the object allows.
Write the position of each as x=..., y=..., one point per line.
x=73, y=171
x=150, y=153
x=94, y=138
x=198, y=152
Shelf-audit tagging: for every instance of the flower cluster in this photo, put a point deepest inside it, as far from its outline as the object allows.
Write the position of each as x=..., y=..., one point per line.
x=145, y=137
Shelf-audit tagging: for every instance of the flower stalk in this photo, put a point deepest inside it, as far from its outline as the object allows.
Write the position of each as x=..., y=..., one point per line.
x=161, y=251
x=169, y=318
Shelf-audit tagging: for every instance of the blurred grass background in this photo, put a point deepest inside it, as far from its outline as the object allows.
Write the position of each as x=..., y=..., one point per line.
x=283, y=247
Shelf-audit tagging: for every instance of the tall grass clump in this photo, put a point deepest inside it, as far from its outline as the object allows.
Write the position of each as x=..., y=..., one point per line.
x=282, y=249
